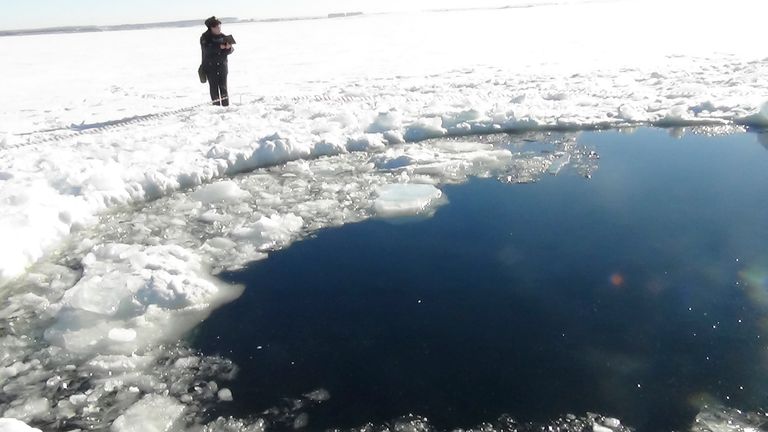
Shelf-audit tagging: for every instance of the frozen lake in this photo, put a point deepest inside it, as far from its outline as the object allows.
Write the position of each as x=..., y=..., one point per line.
x=639, y=293
x=576, y=270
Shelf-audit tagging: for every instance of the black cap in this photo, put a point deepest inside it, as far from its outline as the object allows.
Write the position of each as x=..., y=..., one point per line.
x=212, y=22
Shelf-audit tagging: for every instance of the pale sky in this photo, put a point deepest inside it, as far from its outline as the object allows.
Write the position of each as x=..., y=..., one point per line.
x=25, y=14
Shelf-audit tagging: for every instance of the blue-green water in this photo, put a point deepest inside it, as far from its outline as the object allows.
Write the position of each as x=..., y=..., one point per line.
x=640, y=293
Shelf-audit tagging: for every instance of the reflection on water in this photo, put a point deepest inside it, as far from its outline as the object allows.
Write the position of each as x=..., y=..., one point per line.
x=639, y=290
x=762, y=138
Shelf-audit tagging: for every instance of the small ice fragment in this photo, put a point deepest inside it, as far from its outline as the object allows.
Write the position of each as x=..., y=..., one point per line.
x=211, y=216
x=31, y=409
x=225, y=395
x=13, y=425
x=221, y=243
x=320, y=395
x=386, y=121
x=398, y=200
x=301, y=421
x=559, y=164
x=53, y=381
x=187, y=362
x=122, y=335
x=386, y=163
x=78, y=399
x=218, y=192
x=428, y=127
x=600, y=428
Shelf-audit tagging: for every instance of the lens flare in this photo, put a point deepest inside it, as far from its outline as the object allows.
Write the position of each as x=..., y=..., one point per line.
x=755, y=281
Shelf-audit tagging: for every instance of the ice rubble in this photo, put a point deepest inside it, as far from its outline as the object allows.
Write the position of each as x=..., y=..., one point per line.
x=717, y=418
x=570, y=423
x=84, y=330
x=130, y=297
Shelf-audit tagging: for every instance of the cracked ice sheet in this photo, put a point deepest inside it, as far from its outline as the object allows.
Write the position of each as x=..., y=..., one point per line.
x=566, y=66
x=93, y=329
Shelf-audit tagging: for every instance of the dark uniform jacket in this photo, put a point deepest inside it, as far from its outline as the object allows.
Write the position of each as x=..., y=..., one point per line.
x=214, y=58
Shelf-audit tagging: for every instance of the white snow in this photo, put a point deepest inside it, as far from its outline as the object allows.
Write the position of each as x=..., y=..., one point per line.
x=110, y=236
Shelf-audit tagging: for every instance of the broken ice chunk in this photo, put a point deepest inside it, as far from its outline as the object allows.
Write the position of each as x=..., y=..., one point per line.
x=559, y=164
x=225, y=395
x=122, y=335
x=151, y=414
x=13, y=425
x=397, y=200
x=217, y=192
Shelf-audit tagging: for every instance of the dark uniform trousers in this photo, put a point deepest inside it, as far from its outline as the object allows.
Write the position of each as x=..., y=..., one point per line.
x=217, y=80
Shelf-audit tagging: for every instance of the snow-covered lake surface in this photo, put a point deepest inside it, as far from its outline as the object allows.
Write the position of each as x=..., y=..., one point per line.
x=112, y=230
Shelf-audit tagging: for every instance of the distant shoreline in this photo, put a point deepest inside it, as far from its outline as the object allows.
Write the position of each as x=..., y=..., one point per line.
x=232, y=20
x=144, y=26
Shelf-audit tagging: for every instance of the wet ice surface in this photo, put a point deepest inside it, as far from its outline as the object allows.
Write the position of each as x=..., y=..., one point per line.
x=90, y=334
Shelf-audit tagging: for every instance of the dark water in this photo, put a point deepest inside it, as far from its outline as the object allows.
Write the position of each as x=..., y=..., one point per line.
x=640, y=294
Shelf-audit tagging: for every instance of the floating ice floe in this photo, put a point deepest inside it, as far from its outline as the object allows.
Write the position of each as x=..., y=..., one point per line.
x=406, y=199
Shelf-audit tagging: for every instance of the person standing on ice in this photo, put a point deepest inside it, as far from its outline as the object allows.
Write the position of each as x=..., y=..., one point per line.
x=216, y=49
